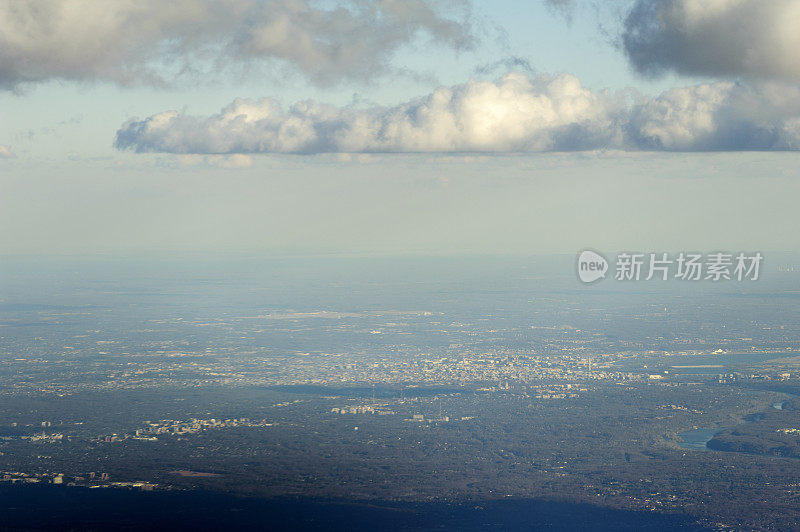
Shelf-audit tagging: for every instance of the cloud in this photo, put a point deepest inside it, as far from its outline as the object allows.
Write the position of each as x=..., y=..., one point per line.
x=236, y=160
x=6, y=153
x=564, y=7
x=506, y=64
x=151, y=41
x=722, y=116
x=736, y=38
x=514, y=114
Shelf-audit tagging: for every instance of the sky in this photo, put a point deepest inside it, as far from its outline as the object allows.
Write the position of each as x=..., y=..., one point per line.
x=389, y=127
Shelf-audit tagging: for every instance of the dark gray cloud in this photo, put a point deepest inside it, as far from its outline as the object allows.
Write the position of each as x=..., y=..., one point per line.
x=731, y=38
x=150, y=41
x=511, y=63
x=563, y=6
x=516, y=113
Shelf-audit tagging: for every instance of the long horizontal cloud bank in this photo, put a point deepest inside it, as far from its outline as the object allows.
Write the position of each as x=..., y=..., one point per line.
x=738, y=38
x=150, y=41
x=516, y=113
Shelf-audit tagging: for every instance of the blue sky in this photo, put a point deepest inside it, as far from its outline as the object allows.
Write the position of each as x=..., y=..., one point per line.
x=626, y=164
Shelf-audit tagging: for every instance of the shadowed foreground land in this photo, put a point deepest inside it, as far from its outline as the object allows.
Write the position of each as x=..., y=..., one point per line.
x=54, y=507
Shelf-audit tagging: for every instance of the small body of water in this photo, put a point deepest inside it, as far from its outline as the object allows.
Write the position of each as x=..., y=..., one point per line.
x=697, y=439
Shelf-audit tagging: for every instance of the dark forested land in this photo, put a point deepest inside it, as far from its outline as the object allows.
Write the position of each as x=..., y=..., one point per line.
x=476, y=457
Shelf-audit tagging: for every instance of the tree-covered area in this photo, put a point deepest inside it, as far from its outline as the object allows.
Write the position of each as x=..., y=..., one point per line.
x=613, y=446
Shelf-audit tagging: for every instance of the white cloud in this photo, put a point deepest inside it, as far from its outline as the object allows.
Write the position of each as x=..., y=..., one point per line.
x=149, y=41
x=720, y=116
x=748, y=38
x=6, y=152
x=516, y=113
